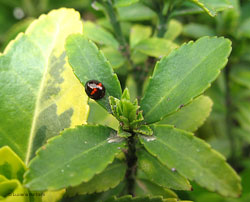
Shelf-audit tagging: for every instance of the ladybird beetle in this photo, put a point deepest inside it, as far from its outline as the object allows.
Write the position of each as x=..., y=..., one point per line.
x=95, y=89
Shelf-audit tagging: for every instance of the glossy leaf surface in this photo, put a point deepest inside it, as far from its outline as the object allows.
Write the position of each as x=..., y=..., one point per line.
x=136, y=34
x=212, y=6
x=191, y=116
x=158, y=173
x=184, y=74
x=145, y=187
x=99, y=35
x=73, y=157
x=107, y=179
x=194, y=159
x=156, y=47
x=89, y=63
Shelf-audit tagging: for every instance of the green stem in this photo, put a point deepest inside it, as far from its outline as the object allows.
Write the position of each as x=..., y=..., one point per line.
x=131, y=159
x=163, y=18
x=161, y=28
x=124, y=48
x=117, y=27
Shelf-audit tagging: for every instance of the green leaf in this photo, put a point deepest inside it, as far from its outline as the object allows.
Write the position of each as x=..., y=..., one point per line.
x=53, y=196
x=138, y=57
x=123, y=133
x=196, y=31
x=187, y=9
x=174, y=30
x=136, y=34
x=129, y=198
x=201, y=195
x=160, y=174
x=184, y=74
x=115, y=58
x=103, y=196
x=212, y=6
x=89, y=63
x=11, y=166
x=99, y=35
x=124, y=3
x=36, y=82
x=135, y=12
x=128, y=113
x=98, y=115
x=125, y=95
x=10, y=191
x=155, y=47
x=194, y=159
x=109, y=178
x=132, y=87
x=2, y=178
x=191, y=116
x=144, y=130
x=144, y=187
x=78, y=154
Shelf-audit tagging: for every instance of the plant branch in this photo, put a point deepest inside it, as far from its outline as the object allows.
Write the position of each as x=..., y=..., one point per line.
x=161, y=28
x=131, y=159
x=124, y=47
x=117, y=28
x=163, y=18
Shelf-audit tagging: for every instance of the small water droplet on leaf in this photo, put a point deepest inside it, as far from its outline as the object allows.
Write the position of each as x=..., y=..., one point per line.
x=173, y=169
x=149, y=138
x=114, y=139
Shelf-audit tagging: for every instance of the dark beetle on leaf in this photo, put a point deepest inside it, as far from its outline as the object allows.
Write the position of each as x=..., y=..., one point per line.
x=95, y=89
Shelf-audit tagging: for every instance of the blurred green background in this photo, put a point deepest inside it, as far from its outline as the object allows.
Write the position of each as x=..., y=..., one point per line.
x=228, y=127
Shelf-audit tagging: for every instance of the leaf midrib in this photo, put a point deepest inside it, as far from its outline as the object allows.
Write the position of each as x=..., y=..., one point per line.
x=39, y=95
x=177, y=84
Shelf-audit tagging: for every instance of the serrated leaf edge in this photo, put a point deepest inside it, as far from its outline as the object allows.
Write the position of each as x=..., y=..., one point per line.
x=50, y=142
x=209, y=147
x=205, y=88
